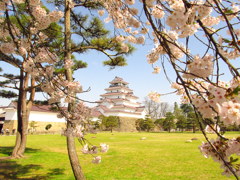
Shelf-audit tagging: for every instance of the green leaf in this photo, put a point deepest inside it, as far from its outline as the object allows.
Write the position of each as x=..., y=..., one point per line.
x=226, y=40
x=118, y=61
x=8, y=94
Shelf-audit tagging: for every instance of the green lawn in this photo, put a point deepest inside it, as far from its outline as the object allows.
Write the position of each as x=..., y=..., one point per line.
x=162, y=156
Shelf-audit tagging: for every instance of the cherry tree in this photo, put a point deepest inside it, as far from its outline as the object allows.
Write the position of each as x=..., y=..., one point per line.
x=199, y=39
x=16, y=34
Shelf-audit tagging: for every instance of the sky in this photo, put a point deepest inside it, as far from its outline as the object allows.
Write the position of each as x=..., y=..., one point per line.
x=138, y=73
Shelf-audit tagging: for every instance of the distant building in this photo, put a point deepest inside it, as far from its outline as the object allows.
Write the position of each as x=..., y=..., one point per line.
x=42, y=115
x=119, y=100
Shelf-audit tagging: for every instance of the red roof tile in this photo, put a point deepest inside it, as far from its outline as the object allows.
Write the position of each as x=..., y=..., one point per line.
x=117, y=80
x=35, y=107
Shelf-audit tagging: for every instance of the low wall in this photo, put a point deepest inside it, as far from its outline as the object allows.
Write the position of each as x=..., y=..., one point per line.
x=56, y=126
x=40, y=126
x=127, y=124
x=10, y=125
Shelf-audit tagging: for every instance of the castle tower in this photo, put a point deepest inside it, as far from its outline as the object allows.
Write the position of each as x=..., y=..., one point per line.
x=119, y=100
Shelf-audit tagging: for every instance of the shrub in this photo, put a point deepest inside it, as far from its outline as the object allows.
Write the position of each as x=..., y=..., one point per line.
x=48, y=127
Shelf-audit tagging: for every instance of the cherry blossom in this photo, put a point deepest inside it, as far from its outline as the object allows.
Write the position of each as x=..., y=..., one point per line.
x=104, y=147
x=154, y=96
x=97, y=160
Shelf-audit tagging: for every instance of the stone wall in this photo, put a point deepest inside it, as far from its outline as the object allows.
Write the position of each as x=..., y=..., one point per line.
x=40, y=126
x=56, y=126
x=127, y=124
x=10, y=125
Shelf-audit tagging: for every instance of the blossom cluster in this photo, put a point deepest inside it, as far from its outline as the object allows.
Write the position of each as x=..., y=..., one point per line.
x=78, y=131
x=80, y=113
x=44, y=19
x=200, y=67
x=183, y=18
x=214, y=100
x=154, y=96
x=94, y=150
x=226, y=150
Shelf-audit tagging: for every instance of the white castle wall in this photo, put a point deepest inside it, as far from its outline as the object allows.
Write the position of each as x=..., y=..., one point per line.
x=45, y=117
x=11, y=114
x=107, y=104
x=123, y=115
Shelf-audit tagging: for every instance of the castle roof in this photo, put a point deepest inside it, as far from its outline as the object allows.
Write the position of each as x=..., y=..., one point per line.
x=115, y=100
x=124, y=106
x=35, y=107
x=114, y=87
x=95, y=112
x=120, y=93
x=118, y=80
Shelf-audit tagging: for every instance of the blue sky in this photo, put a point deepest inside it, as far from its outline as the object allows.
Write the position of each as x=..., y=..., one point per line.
x=96, y=76
x=138, y=73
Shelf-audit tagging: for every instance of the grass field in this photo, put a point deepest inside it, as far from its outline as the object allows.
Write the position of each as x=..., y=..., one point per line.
x=162, y=156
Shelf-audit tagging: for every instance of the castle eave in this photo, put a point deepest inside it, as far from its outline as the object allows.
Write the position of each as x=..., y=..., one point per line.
x=117, y=88
x=119, y=111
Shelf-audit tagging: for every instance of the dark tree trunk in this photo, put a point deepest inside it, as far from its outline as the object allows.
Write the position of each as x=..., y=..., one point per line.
x=194, y=128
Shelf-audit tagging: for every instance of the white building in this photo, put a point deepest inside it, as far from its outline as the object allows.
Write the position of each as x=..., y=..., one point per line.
x=42, y=115
x=119, y=100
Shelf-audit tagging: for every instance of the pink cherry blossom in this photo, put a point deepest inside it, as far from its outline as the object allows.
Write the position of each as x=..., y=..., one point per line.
x=97, y=160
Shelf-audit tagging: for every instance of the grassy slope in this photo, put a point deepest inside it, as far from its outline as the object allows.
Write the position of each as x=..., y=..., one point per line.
x=161, y=156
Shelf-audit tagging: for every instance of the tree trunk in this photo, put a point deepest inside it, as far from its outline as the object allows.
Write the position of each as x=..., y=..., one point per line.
x=21, y=140
x=19, y=116
x=73, y=157
x=23, y=112
x=17, y=144
x=23, y=143
x=194, y=128
x=72, y=153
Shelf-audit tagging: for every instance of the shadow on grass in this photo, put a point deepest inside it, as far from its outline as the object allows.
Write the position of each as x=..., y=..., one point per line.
x=8, y=150
x=10, y=170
